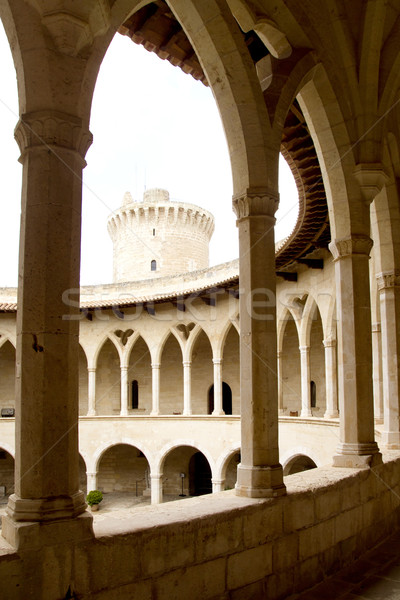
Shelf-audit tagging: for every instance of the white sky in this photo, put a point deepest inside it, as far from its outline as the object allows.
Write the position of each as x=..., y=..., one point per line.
x=153, y=126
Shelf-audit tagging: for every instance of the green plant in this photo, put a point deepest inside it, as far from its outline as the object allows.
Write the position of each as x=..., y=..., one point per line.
x=94, y=497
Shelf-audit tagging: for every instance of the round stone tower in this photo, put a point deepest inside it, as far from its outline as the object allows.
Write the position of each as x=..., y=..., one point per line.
x=158, y=237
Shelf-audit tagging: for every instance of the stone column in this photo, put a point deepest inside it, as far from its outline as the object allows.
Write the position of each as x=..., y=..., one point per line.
x=389, y=296
x=91, y=481
x=218, y=409
x=259, y=473
x=357, y=446
x=218, y=485
x=377, y=375
x=156, y=488
x=155, y=389
x=187, y=387
x=47, y=499
x=91, y=391
x=281, y=409
x=124, y=391
x=305, y=381
x=331, y=411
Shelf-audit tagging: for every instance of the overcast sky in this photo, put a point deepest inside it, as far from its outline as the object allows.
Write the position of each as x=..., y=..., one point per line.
x=153, y=126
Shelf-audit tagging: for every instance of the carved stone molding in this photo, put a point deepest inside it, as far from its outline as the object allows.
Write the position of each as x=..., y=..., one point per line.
x=329, y=343
x=123, y=335
x=74, y=25
x=52, y=129
x=356, y=244
x=257, y=204
x=371, y=178
x=388, y=279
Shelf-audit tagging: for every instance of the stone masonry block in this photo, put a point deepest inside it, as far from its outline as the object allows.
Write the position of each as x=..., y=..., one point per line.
x=298, y=512
x=261, y=526
x=172, y=549
x=316, y=539
x=196, y=582
x=249, y=566
x=327, y=505
x=218, y=538
x=285, y=552
x=348, y=523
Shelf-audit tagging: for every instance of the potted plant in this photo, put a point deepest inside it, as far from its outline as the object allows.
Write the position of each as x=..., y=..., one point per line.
x=93, y=499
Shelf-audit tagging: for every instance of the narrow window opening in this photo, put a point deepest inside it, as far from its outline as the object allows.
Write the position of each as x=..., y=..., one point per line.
x=135, y=394
x=313, y=393
x=153, y=265
x=154, y=232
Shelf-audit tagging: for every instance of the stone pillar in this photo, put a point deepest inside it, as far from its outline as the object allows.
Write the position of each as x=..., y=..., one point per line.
x=259, y=473
x=357, y=446
x=47, y=503
x=331, y=411
x=377, y=376
x=305, y=381
x=218, y=409
x=156, y=488
x=124, y=391
x=91, y=481
x=389, y=296
x=281, y=409
x=218, y=485
x=187, y=387
x=91, y=391
x=155, y=389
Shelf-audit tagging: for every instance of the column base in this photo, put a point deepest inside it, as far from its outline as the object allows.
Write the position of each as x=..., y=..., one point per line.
x=332, y=415
x=25, y=535
x=357, y=456
x=46, y=509
x=218, y=485
x=390, y=440
x=260, y=482
x=306, y=413
x=218, y=414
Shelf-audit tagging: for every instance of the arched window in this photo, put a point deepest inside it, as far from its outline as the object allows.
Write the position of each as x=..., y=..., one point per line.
x=135, y=393
x=153, y=265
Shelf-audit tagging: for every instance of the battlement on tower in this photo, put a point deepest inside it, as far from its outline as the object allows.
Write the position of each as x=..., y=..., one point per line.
x=158, y=237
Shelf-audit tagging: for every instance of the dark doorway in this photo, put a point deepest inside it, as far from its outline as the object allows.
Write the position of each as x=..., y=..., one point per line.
x=199, y=475
x=226, y=399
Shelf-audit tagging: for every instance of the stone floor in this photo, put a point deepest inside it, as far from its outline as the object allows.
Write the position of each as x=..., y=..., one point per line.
x=375, y=576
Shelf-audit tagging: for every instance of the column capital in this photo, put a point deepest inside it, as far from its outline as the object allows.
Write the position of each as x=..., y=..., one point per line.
x=279, y=354
x=155, y=365
x=91, y=369
x=255, y=202
x=187, y=363
x=376, y=328
x=388, y=279
x=304, y=349
x=329, y=343
x=124, y=367
x=357, y=244
x=53, y=129
x=371, y=177
x=217, y=361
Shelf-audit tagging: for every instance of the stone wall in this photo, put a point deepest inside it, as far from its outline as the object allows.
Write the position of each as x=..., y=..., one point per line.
x=220, y=546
